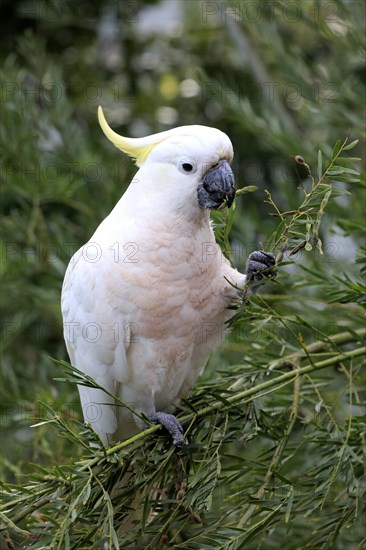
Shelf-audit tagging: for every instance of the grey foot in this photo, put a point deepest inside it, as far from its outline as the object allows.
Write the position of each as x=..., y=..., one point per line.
x=260, y=264
x=171, y=424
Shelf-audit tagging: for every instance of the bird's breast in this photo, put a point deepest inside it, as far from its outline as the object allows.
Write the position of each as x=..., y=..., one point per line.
x=173, y=289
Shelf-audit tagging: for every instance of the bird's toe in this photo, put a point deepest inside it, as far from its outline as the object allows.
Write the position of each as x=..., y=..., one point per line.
x=261, y=264
x=171, y=424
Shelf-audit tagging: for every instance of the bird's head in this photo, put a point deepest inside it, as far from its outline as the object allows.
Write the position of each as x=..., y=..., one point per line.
x=187, y=165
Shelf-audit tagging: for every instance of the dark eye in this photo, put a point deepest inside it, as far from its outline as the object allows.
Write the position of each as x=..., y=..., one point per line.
x=186, y=165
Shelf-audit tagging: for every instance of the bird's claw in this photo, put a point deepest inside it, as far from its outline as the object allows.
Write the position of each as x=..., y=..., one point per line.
x=171, y=424
x=261, y=264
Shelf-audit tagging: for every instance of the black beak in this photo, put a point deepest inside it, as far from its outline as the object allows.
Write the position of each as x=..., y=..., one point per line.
x=217, y=187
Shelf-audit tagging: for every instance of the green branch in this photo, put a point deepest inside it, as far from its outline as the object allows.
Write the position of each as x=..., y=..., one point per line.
x=237, y=398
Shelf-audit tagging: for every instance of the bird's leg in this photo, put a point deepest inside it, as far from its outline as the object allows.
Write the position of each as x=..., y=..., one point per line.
x=261, y=264
x=171, y=424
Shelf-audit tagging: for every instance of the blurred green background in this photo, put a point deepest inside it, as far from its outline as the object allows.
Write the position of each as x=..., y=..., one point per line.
x=280, y=78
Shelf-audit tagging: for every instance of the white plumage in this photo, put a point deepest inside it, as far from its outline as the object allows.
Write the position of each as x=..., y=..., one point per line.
x=144, y=302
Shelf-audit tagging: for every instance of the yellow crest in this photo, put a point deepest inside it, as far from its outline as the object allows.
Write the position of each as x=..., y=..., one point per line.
x=137, y=148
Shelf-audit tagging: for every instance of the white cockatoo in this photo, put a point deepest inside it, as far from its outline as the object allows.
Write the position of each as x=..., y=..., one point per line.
x=145, y=301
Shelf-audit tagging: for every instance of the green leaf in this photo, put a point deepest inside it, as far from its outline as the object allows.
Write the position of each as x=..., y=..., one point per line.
x=350, y=145
x=335, y=170
x=289, y=505
x=247, y=189
x=348, y=160
x=86, y=492
x=320, y=165
x=319, y=246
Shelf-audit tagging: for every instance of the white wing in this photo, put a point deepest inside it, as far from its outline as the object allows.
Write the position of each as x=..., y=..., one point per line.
x=96, y=324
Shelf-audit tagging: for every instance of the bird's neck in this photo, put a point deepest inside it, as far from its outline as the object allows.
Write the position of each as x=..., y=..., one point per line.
x=182, y=217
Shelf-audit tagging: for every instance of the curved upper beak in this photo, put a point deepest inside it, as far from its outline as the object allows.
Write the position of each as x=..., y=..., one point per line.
x=217, y=187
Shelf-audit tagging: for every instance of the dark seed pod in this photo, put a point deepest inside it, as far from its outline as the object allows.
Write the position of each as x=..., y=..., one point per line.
x=299, y=159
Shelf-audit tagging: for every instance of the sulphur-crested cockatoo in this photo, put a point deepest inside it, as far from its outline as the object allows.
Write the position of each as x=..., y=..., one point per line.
x=144, y=302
